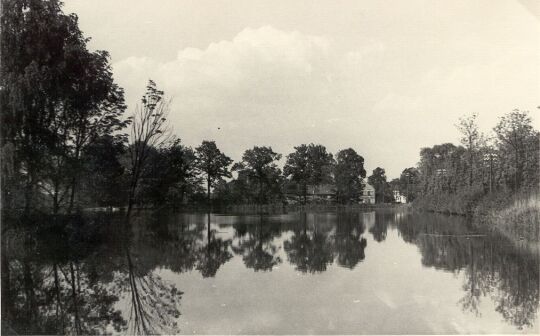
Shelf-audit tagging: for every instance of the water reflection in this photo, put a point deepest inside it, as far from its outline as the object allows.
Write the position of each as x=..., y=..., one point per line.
x=88, y=274
x=494, y=268
x=54, y=284
x=309, y=250
x=255, y=244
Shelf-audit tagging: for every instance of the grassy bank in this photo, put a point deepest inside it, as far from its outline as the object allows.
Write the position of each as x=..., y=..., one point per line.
x=515, y=215
x=518, y=217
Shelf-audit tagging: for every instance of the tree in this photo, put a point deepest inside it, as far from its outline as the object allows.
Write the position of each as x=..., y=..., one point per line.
x=309, y=164
x=443, y=169
x=56, y=98
x=348, y=174
x=297, y=169
x=102, y=172
x=320, y=165
x=259, y=165
x=149, y=129
x=170, y=176
x=472, y=140
x=211, y=162
x=408, y=183
x=519, y=144
x=383, y=192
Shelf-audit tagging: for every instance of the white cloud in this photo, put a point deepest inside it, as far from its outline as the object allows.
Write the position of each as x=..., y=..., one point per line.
x=265, y=86
x=271, y=87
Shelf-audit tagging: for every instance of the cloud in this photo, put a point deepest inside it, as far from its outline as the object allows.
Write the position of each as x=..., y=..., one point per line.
x=265, y=86
x=281, y=88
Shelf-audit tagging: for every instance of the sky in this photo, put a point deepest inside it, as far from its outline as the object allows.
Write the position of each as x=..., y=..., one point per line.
x=385, y=78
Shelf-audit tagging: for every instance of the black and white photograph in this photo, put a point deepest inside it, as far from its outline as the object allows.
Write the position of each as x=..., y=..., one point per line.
x=270, y=167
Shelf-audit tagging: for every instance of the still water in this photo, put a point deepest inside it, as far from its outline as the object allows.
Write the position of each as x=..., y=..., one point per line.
x=382, y=272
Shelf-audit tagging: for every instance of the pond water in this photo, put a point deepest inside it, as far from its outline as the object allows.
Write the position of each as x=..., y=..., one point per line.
x=381, y=272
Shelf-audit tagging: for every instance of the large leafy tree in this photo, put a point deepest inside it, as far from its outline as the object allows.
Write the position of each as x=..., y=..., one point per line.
x=309, y=165
x=170, y=176
x=212, y=163
x=348, y=175
x=57, y=98
x=443, y=169
x=383, y=191
x=103, y=173
x=259, y=165
x=518, y=144
x=408, y=183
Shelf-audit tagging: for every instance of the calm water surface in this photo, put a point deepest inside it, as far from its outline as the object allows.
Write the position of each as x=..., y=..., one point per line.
x=381, y=272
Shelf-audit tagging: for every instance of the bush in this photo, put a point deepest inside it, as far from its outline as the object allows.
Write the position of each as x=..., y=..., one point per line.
x=461, y=203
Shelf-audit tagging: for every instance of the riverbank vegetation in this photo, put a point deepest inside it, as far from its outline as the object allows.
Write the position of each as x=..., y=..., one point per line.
x=69, y=142
x=492, y=177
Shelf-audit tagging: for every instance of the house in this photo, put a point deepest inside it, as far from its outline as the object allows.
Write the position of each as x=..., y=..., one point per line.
x=327, y=192
x=321, y=192
x=399, y=198
x=368, y=194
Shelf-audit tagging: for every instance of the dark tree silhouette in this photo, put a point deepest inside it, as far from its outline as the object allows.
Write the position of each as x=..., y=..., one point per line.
x=212, y=163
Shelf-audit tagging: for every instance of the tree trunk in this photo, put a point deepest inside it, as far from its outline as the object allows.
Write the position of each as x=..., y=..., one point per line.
x=71, y=196
x=29, y=189
x=59, y=310
x=7, y=306
x=74, y=180
x=516, y=173
x=209, y=199
x=74, y=298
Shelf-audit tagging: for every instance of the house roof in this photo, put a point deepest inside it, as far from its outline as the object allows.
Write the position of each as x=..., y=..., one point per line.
x=323, y=189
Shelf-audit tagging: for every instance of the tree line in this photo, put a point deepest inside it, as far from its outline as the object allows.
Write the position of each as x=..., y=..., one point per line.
x=67, y=140
x=499, y=164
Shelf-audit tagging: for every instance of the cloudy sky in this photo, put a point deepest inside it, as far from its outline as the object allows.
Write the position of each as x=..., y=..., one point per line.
x=383, y=77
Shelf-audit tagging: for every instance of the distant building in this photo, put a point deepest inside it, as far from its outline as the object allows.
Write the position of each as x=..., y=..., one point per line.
x=321, y=192
x=327, y=192
x=368, y=194
x=399, y=198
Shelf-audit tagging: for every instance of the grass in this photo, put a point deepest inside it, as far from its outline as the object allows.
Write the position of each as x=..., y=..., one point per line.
x=520, y=220
x=517, y=216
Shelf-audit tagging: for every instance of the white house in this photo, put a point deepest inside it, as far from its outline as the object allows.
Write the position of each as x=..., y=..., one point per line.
x=399, y=198
x=368, y=194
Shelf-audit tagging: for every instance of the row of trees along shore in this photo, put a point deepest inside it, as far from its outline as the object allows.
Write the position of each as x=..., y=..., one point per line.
x=494, y=177
x=452, y=177
x=68, y=143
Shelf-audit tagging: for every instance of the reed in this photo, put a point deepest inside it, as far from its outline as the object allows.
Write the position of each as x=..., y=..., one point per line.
x=520, y=219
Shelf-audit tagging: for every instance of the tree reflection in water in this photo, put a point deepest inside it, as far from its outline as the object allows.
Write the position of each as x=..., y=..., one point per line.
x=154, y=304
x=310, y=251
x=494, y=267
x=380, y=228
x=254, y=242
x=82, y=275
x=49, y=278
x=349, y=242
x=214, y=254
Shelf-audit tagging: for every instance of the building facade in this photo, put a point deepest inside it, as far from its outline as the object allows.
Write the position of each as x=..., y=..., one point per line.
x=399, y=198
x=368, y=194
